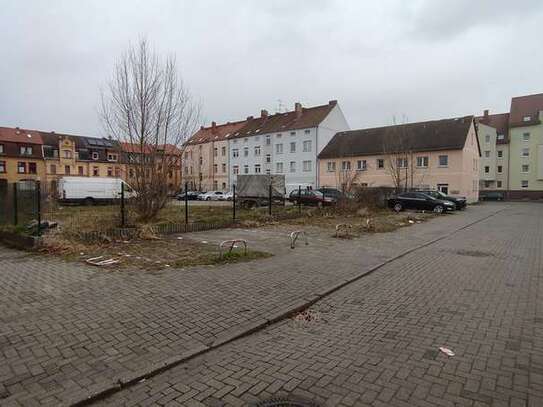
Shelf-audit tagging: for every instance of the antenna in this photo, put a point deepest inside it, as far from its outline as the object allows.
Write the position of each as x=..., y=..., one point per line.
x=280, y=107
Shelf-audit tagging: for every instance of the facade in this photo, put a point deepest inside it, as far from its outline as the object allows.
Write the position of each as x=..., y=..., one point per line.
x=286, y=143
x=519, y=149
x=494, y=141
x=442, y=155
x=21, y=156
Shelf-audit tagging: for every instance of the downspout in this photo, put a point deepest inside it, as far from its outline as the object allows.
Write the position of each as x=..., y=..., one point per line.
x=317, y=164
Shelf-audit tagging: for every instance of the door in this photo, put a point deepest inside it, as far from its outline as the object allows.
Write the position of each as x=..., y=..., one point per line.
x=444, y=188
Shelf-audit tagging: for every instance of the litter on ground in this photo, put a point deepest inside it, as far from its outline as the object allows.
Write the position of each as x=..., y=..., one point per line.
x=446, y=351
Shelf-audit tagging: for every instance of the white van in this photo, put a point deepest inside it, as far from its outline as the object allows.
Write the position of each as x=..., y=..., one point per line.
x=92, y=190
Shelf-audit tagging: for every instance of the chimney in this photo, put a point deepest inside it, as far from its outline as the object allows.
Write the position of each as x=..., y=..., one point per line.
x=263, y=113
x=332, y=102
x=298, y=109
x=201, y=127
x=486, y=113
x=213, y=124
x=249, y=118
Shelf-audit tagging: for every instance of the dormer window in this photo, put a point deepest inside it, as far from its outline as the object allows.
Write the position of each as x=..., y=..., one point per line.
x=501, y=137
x=1, y=149
x=95, y=155
x=526, y=118
x=25, y=150
x=112, y=157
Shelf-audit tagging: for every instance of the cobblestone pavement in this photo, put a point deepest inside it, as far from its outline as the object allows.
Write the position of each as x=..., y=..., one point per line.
x=375, y=342
x=68, y=330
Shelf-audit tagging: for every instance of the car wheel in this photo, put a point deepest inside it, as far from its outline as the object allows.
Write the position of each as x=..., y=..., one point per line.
x=438, y=209
x=208, y=198
x=398, y=207
x=89, y=201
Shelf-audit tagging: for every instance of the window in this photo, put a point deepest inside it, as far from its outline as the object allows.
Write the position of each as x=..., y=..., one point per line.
x=422, y=162
x=257, y=168
x=245, y=140
x=487, y=154
x=268, y=171
x=331, y=166
x=95, y=171
x=224, y=185
x=201, y=160
x=2, y=167
x=257, y=151
x=307, y=131
x=246, y=169
x=293, y=166
x=25, y=150
x=525, y=136
x=215, y=168
x=500, y=169
x=1, y=149
x=501, y=137
x=109, y=172
x=487, y=138
x=525, y=168
x=499, y=153
x=292, y=133
x=235, y=169
x=401, y=162
x=293, y=147
x=246, y=151
x=67, y=154
x=80, y=170
x=345, y=165
x=361, y=165
x=112, y=157
x=444, y=188
x=279, y=148
x=380, y=163
x=118, y=172
x=215, y=151
x=487, y=184
x=223, y=151
x=279, y=168
x=186, y=155
x=32, y=168
x=268, y=158
x=499, y=184
x=235, y=152
x=526, y=118
x=223, y=168
x=524, y=184
x=278, y=135
x=487, y=169
x=95, y=155
x=443, y=160
x=525, y=152
x=21, y=168
x=215, y=185
x=307, y=146
x=53, y=169
x=306, y=166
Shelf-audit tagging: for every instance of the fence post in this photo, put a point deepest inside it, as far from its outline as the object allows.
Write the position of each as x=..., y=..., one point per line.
x=186, y=202
x=234, y=202
x=38, y=206
x=122, y=205
x=299, y=199
x=15, y=209
x=270, y=200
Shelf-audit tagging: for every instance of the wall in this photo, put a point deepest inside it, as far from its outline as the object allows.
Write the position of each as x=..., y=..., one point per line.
x=488, y=180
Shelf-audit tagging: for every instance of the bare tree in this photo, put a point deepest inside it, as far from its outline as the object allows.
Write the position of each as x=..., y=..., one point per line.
x=149, y=111
x=347, y=177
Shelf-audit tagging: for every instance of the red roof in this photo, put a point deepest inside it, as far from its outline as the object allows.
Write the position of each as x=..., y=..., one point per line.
x=216, y=132
x=17, y=135
x=523, y=107
x=498, y=121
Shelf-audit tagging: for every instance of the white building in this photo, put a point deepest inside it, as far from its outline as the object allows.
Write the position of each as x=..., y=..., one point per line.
x=285, y=143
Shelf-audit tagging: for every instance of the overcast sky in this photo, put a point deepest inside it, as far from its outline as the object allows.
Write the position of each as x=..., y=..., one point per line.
x=422, y=59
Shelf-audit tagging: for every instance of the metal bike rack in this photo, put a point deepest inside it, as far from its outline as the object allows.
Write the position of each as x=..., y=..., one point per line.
x=232, y=244
x=294, y=236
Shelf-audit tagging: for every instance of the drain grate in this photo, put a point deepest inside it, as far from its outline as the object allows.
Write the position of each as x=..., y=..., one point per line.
x=285, y=402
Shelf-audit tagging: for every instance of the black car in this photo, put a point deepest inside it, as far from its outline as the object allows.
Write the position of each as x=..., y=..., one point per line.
x=491, y=196
x=191, y=196
x=459, y=201
x=420, y=201
x=310, y=197
x=331, y=193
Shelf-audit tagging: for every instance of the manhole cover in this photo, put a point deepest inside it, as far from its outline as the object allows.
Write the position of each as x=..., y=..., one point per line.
x=285, y=402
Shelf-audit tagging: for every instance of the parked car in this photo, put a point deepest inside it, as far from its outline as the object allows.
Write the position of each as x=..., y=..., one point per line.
x=459, y=201
x=491, y=196
x=332, y=193
x=92, y=190
x=210, y=196
x=227, y=196
x=191, y=196
x=420, y=201
x=310, y=197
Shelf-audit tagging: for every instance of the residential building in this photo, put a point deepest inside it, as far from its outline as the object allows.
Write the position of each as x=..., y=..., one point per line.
x=440, y=154
x=206, y=157
x=21, y=156
x=285, y=143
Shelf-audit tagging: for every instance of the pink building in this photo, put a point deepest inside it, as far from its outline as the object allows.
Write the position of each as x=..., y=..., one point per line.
x=440, y=154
